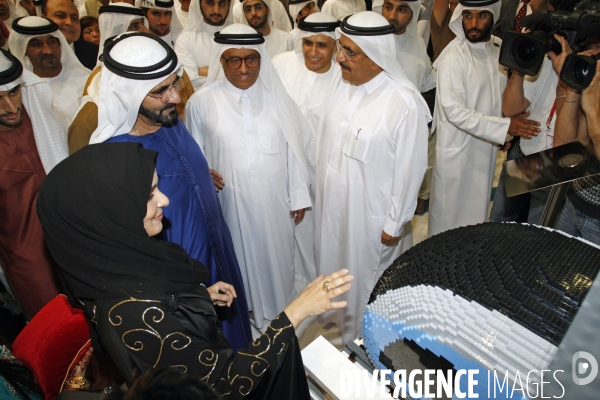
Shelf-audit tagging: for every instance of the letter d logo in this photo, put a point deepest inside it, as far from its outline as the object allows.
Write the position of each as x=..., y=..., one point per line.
x=580, y=367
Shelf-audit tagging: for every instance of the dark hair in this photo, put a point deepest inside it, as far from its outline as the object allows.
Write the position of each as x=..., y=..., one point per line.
x=19, y=376
x=165, y=384
x=84, y=22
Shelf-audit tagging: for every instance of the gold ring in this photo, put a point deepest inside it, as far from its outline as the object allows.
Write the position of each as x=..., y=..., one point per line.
x=327, y=286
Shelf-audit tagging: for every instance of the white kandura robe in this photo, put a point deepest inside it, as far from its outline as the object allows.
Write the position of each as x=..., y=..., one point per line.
x=278, y=41
x=371, y=158
x=171, y=37
x=412, y=56
x=183, y=16
x=470, y=127
x=193, y=50
x=239, y=133
x=340, y=9
x=67, y=92
x=308, y=90
x=278, y=15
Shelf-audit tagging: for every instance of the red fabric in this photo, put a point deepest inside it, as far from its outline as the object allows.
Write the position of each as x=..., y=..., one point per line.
x=522, y=12
x=52, y=344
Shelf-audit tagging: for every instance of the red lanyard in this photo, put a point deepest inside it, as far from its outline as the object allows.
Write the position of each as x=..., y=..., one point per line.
x=549, y=120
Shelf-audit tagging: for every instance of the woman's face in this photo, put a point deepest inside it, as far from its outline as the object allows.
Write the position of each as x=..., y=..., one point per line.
x=154, y=215
x=91, y=34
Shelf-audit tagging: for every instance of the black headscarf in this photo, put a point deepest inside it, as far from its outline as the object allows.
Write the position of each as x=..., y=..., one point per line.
x=92, y=207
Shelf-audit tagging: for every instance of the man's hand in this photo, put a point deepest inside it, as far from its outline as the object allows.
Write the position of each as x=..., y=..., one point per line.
x=389, y=240
x=521, y=126
x=203, y=71
x=506, y=146
x=298, y=215
x=217, y=180
x=222, y=294
x=559, y=60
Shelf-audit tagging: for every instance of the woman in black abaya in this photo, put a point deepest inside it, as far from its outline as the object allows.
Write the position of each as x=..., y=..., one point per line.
x=99, y=209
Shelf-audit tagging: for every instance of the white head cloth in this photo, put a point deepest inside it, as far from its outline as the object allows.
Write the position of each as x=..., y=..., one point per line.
x=316, y=17
x=17, y=42
x=196, y=20
x=292, y=122
x=456, y=24
x=295, y=8
x=415, y=6
x=381, y=49
x=16, y=10
x=50, y=137
x=114, y=23
x=165, y=5
x=120, y=98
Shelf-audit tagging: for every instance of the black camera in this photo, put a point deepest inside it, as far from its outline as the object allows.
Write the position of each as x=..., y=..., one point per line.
x=578, y=71
x=525, y=52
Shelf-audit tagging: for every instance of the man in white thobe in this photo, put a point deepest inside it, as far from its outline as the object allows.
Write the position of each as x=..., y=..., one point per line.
x=117, y=18
x=301, y=9
x=371, y=157
x=307, y=73
x=195, y=44
x=412, y=55
x=278, y=17
x=162, y=21
x=39, y=44
x=251, y=132
x=340, y=9
x=469, y=122
x=182, y=10
x=257, y=16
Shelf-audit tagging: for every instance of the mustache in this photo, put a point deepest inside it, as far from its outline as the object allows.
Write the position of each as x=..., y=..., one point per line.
x=167, y=106
x=475, y=30
x=48, y=57
x=345, y=66
x=7, y=114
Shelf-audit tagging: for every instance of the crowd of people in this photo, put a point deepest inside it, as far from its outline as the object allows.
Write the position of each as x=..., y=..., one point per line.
x=175, y=168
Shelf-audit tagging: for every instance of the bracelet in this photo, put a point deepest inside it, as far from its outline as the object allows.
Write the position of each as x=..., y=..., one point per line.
x=561, y=97
x=78, y=382
x=571, y=101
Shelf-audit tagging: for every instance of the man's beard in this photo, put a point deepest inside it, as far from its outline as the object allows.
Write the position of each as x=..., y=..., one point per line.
x=259, y=24
x=159, y=117
x=484, y=35
x=12, y=124
x=49, y=62
x=210, y=21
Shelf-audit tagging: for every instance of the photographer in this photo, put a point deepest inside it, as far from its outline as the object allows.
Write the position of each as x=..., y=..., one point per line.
x=536, y=96
x=579, y=118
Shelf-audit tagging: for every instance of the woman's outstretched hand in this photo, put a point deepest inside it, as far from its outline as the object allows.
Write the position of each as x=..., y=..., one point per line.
x=315, y=299
x=222, y=294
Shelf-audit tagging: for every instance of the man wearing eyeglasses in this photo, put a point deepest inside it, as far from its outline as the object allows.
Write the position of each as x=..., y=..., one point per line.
x=252, y=133
x=469, y=122
x=371, y=158
x=139, y=107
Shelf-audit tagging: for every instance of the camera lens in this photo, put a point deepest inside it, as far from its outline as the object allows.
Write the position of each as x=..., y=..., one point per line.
x=525, y=52
x=581, y=72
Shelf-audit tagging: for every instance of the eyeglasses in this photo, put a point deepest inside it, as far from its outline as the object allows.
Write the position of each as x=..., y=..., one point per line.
x=236, y=62
x=89, y=31
x=257, y=7
x=166, y=94
x=347, y=53
x=480, y=17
